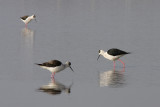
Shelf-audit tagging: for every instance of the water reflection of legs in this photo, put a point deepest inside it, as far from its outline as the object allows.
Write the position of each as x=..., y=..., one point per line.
x=27, y=45
x=54, y=87
x=27, y=32
x=28, y=37
x=112, y=78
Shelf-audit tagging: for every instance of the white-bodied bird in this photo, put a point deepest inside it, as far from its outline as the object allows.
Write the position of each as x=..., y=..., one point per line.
x=113, y=55
x=26, y=19
x=55, y=66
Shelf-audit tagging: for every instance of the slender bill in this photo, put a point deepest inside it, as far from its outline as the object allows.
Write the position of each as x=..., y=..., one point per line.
x=71, y=68
x=98, y=57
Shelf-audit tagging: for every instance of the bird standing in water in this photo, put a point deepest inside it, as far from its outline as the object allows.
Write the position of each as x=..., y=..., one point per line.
x=55, y=66
x=26, y=19
x=113, y=55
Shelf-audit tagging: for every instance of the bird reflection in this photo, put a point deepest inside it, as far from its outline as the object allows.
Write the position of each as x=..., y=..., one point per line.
x=55, y=88
x=112, y=78
x=27, y=32
x=28, y=37
x=27, y=46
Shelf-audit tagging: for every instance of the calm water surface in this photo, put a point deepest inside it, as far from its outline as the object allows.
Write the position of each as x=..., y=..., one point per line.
x=74, y=30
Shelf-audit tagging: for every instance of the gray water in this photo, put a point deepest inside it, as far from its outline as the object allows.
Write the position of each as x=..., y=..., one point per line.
x=74, y=30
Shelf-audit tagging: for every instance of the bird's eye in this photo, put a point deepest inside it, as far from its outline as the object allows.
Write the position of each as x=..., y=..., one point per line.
x=69, y=63
x=99, y=51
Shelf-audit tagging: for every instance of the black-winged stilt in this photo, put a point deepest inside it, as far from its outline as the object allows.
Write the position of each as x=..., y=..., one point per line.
x=113, y=55
x=26, y=19
x=55, y=66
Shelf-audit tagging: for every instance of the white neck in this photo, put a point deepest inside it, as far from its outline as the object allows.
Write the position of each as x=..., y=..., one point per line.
x=102, y=52
x=28, y=19
x=110, y=57
x=66, y=65
x=106, y=55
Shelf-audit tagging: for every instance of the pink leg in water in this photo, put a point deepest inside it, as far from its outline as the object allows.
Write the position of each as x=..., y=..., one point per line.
x=114, y=64
x=52, y=76
x=123, y=69
x=122, y=63
x=53, y=80
x=26, y=25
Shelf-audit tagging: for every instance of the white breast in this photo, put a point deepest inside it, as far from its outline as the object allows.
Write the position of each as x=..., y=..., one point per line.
x=54, y=69
x=27, y=20
x=110, y=57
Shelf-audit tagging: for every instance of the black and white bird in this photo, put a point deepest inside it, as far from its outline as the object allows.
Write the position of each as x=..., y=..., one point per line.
x=55, y=66
x=113, y=55
x=26, y=19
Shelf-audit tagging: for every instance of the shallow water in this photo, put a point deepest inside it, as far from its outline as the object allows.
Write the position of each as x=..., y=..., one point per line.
x=74, y=31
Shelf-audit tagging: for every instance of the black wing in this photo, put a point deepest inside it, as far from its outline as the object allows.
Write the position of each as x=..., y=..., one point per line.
x=25, y=17
x=116, y=52
x=52, y=63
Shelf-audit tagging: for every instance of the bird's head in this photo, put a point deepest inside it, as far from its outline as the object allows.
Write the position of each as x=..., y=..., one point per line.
x=69, y=65
x=100, y=52
x=34, y=17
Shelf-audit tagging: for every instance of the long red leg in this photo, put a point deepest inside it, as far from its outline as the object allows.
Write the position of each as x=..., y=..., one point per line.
x=53, y=80
x=26, y=25
x=114, y=64
x=122, y=63
x=123, y=69
x=52, y=76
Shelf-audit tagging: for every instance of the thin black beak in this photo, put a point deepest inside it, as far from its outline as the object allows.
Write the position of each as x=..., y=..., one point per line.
x=71, y=68
x=98, y=57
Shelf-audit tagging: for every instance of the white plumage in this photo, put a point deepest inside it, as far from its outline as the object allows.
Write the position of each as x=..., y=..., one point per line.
x=55, y=66
x=113, y=55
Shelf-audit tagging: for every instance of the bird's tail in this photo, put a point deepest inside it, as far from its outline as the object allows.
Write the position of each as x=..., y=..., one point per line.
x=128, y=52
x=38, y=64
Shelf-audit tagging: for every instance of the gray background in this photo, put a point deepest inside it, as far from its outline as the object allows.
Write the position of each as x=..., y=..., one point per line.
x=74, y=30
